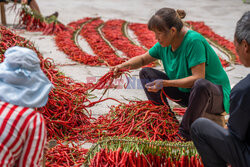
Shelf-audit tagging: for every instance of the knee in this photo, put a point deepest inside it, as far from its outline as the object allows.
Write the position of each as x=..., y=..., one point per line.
x=201, y=85
x=198, y=126
x=144, y=71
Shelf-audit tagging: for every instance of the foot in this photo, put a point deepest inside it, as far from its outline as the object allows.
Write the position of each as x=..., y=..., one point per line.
x=52, y=15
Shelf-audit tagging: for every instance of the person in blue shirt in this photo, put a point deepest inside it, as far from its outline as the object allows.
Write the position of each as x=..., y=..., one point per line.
x=220, y=146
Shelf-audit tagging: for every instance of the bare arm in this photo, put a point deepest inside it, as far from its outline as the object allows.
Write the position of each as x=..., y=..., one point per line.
x=135, y=62
x=198, y=72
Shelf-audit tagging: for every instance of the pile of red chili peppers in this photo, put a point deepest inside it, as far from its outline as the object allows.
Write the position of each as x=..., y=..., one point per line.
x=68, y=154
x=140, y=119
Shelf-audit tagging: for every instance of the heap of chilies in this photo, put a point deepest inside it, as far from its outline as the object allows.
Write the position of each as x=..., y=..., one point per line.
x=69, y=154
x=66, y=112
x=140, y=119
x=136, y=152
x=36, y=22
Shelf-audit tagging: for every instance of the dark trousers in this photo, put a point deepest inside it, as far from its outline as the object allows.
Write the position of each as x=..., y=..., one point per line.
x=203, y=97
x=217, y=146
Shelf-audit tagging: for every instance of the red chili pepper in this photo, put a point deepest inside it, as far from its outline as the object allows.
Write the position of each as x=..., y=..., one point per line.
x=131, y=159
x=117, y=156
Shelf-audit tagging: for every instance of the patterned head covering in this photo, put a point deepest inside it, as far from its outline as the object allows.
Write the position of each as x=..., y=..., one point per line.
x=22, y=82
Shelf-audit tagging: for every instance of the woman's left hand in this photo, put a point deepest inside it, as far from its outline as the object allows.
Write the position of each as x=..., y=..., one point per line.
x=155, y=86
x=24, y=1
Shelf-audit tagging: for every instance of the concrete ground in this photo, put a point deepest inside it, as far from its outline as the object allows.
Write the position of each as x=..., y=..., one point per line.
x=220, y=15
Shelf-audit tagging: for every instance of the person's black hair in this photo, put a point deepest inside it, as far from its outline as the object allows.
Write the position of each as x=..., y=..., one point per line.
x=242, y=31
x=166, y=18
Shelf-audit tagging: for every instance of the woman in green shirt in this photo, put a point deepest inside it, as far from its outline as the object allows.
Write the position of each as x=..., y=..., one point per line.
x=193, y=74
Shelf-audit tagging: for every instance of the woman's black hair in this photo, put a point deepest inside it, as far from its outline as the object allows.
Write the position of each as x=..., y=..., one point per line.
x=165, y=18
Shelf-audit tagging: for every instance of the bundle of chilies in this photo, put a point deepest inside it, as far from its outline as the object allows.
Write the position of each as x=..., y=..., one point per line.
x=144, y=36
x=140, y=119
x=114, y=32
x=36, y=22
x=136, y=152
x=65, y=41
x=92, y=33
x=106, y=81
x=69, y=154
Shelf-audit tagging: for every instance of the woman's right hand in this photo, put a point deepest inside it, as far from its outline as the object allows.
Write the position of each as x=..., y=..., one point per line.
x=133, y=63
x=116, y=69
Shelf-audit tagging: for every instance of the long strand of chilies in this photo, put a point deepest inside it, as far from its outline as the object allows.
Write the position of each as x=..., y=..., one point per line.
x=137, y=152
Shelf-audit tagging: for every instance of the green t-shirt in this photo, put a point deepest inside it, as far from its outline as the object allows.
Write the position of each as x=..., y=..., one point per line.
x=193, y=50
